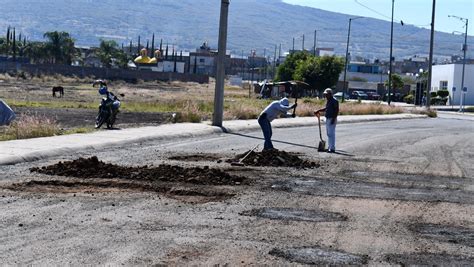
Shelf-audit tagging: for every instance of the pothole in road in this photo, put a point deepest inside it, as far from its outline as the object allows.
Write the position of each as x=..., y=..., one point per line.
x=350, y=188
x=94, y=168
x=295, y=214
x=275, y=158
x=427, y=259
x=319, y=256
x=445, y=233
x=196, y=184
x=197, y=194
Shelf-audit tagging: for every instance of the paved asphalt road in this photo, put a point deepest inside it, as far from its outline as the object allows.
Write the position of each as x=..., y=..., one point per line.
x=399, y=192
x=443, y=146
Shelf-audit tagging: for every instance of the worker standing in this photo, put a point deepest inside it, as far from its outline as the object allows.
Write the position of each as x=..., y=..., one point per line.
x=270, y=113
x=332, y=110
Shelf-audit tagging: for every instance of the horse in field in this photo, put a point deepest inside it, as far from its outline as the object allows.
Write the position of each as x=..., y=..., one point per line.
x=59, y=90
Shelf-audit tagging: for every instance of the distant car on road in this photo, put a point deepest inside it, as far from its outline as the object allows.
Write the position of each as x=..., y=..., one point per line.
x=374, y=96
x=359, y=95
x=338, y=96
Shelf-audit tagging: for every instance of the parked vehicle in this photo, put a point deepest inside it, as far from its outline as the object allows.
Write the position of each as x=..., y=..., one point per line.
x=338, y=96
x=359, y=95
x=373, y=96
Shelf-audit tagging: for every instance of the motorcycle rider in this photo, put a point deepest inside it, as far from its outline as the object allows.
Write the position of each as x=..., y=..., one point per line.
x=111, y=101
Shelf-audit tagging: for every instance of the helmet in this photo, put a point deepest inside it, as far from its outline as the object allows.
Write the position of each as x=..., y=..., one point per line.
x=103, y=90
x=100, y=83
x=284, y=101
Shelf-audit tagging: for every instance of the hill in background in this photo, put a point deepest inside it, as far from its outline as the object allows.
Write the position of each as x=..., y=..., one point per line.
x=258, y=25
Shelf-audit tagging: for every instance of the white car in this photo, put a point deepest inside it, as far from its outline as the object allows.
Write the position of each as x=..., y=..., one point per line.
x=338, y=96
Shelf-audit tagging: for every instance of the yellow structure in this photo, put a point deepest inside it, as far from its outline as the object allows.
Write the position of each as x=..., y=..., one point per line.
x=143, y=58
x=156, y=58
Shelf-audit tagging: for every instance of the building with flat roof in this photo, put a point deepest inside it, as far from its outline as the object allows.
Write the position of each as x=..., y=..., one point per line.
x=449, y=76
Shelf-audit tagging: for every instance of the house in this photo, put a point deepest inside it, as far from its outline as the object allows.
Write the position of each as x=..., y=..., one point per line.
x=449, y=76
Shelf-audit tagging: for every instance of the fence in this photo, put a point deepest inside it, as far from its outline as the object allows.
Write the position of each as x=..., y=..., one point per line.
x=103, y=73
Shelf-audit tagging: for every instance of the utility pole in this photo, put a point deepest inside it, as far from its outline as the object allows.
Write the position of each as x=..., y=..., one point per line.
x=303, y=42
x=390, y=72
x=279, y=52
x=347, y=58
x=314, y=46
x=221, y=57
x=293, y=45
x=464, y=48
x=430, y=66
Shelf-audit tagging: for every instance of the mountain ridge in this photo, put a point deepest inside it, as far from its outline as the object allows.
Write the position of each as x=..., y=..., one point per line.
x=253, y=25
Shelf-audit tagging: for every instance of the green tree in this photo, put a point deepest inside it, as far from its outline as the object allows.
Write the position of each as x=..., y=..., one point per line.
x=109, y=52
x=60, y=47
x=286, y=70
x=397, y=82
x=320, y=73
x=36, y=52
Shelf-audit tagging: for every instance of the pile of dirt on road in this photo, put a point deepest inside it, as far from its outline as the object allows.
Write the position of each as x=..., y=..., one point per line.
x=94, y=168
x=275, y=158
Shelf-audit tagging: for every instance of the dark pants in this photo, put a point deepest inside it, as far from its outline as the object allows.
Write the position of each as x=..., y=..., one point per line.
x=267, y=131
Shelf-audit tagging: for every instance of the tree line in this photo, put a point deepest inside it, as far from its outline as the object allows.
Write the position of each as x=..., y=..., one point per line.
x=319, y=72
x=58, y=48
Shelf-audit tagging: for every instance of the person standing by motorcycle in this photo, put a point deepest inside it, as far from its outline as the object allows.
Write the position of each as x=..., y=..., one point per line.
x=109, y=107
x=112, y=102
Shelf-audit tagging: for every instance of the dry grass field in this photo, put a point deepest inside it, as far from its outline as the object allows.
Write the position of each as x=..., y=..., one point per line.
x=144, y=103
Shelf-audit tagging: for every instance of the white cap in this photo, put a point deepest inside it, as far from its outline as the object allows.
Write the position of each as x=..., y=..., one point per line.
x=284, y=101
x=327, y=91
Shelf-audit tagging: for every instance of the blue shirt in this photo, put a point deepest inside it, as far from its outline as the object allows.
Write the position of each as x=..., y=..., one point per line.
x=275, y=109
x=332, y=106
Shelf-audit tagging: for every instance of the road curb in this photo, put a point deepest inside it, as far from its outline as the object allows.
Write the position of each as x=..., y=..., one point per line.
x=42, y=148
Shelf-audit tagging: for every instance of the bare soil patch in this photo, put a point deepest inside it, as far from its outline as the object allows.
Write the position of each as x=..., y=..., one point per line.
x=94, y=168
x=274, y=158
x=196, y=157
x=191, y=184
x=69, y=118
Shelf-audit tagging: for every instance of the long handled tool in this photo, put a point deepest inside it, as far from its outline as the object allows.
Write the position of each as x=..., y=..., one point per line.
x=240, y=162
x=322, y=143
x=294, y=109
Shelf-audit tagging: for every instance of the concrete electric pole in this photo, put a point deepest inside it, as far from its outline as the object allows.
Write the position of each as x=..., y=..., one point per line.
x=221, y=58
x=430, y=67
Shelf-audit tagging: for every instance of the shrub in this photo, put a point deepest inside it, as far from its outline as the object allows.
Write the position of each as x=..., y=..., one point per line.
x=409, y=99
x=433, y=94
x=443, y=93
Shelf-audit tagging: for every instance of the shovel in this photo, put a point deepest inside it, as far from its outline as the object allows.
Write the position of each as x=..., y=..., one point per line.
x=322, y=143
x=240, y=162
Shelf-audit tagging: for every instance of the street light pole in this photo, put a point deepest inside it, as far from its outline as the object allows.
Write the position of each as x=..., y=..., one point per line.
x=391, y=56
x=464, y=48
x=347, y=58
x=221, y=58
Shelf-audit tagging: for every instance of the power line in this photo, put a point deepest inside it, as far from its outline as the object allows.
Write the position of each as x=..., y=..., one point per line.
x=387, y=17
x=373, y=10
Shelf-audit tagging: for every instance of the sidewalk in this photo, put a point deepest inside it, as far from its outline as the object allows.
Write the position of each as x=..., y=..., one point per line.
x=18, y=151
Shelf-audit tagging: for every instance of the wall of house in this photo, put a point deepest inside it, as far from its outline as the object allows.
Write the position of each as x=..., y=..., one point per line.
x=452, y=73
x=111, y=74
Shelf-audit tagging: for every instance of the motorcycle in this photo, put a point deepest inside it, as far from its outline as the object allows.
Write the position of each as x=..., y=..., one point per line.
x=109, y=107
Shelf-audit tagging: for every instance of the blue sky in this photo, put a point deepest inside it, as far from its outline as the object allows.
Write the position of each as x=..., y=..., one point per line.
x=415, y=12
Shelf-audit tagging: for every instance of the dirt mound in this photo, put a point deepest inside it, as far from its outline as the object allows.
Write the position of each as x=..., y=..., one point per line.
x=94, y=168
x=274, y=157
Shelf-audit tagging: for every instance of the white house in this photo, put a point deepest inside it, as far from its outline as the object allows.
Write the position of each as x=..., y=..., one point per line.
x=449, y=76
